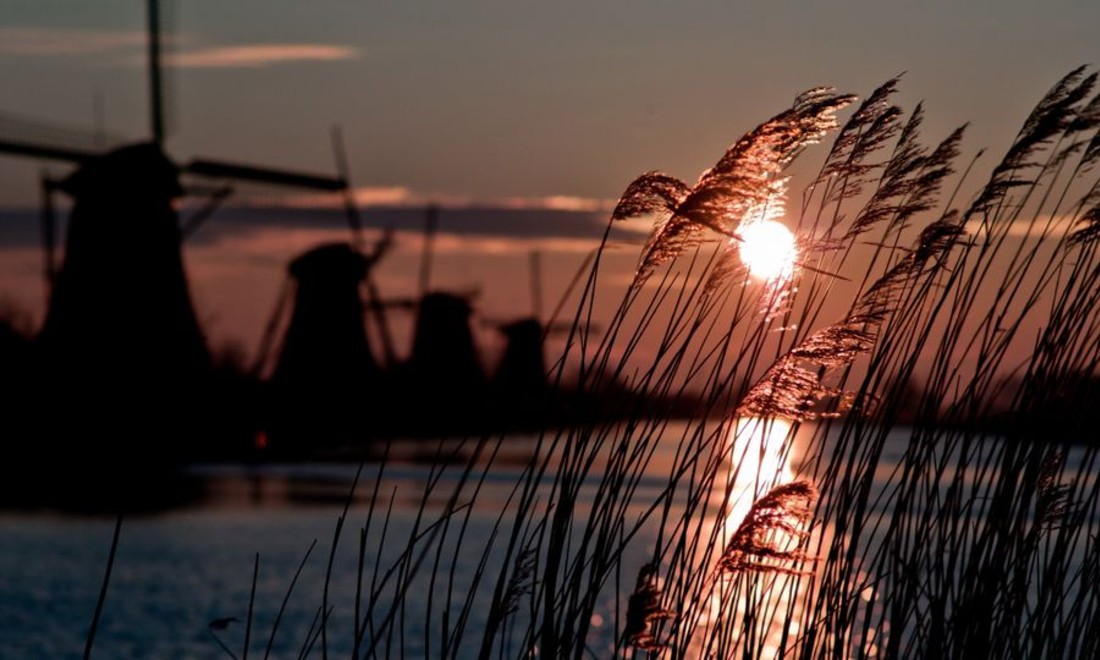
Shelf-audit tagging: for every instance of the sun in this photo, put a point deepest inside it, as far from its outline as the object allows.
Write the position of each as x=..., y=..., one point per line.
x=767, y=249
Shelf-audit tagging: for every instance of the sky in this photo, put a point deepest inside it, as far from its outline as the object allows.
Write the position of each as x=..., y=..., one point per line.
x=520, y=107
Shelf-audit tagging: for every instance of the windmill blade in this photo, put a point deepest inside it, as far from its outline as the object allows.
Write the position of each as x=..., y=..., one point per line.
x=351, y=210
x=17, y=148
x=267, y=341
x=160, y=19
x=22, y=136
x=355, y=224
x=156, y=93
x=224, y=170
x=552, y=321
x=374, y=298
x=49, y=233
x=214, y=199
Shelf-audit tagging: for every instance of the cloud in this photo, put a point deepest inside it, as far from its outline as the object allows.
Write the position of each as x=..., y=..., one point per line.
x=269, y=246
x=41, y=41
x=555, y=203
x=368, y=196
x=478, y=228
x=259, y=55
x=403, y=197
x=1043, y=226
x=474, y=221
x=498, y=245
x=59, y=41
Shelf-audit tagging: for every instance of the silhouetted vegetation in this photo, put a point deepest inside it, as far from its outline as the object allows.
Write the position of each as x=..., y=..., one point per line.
x=982, y=542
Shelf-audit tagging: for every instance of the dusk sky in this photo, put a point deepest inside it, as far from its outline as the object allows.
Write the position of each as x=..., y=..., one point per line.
x=496, y=103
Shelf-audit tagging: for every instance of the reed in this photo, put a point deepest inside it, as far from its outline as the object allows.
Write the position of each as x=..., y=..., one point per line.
x=970, y=325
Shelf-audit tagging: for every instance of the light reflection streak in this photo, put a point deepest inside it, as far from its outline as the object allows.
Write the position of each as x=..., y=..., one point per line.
x=754, y=611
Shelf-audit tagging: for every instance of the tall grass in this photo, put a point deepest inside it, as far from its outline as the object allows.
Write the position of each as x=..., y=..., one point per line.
x=947, y=299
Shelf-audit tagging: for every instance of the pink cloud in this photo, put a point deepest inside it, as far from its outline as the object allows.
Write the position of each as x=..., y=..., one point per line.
x=402, y=196
x=41, y=41
x=365, y=197
x=260, y=55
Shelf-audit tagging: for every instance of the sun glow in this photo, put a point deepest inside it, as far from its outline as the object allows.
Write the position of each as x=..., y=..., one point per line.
x=767, y=249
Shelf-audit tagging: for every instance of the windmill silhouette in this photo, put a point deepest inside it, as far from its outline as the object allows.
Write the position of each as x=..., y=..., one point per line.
x=325, y=387
x=525, y=392
x=120, y=347
x=441, y=387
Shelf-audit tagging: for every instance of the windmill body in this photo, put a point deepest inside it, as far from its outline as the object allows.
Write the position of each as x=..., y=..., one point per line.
x=122, y=375
x=443, y=382
x=521, y=372
x=121, y=304
x=325, y=381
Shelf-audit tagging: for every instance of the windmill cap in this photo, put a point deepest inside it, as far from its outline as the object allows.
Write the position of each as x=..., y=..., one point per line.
x=139, y=171
x=520, y=327
x=438, y=303
x=330, y=261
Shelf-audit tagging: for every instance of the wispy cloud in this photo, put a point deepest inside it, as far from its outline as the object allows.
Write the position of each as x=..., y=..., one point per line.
x=16, y=40
x=369, y=196
x=555, y=203
x=1038, y=227
x=259, y=55
x=60, y=41
x=274, y=247
x=498, y=245
x=404, y=197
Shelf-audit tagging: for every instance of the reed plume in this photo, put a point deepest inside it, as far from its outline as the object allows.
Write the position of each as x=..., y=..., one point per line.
x=745, y=182
x=521, y=582
x=1056, y=112
x=644, y=611
x=771, y=535
x=796, y=382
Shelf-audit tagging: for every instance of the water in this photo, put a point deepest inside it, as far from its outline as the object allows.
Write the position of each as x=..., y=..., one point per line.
x=178, y=571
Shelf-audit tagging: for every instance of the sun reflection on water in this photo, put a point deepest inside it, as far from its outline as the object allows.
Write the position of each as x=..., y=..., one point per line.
x=759, y=459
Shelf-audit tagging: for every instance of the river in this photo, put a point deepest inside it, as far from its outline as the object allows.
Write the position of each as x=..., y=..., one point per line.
x=179, y=570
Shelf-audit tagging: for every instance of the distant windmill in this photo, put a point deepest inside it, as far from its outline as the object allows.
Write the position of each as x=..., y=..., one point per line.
x=325, y=355
x=524, y=392
x=325, y=382
x=119, y=308
x=440, y=387
x=522, y=368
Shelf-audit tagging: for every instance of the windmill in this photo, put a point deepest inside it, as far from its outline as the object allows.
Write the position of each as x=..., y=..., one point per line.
x=326, y=384
x=443, y=372
x=521, y=383
x=121, y=347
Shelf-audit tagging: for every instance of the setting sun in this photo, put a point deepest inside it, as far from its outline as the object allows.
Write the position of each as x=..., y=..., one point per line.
x=767, y=249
